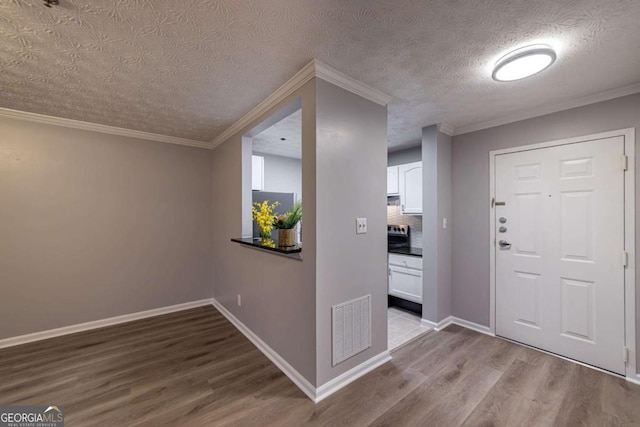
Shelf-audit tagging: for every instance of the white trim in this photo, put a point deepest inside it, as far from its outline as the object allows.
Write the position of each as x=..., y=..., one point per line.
x=446, y=128
x=295, y=376
x=630, y=248
x=444, y=323
x=439, y=325
x=452, y=320
x=95, y=127
x=429, y=323
x=340, y=79
x=289, y=87
x=634, y=380
x=313, y=69
x=325, y=390
x=96, y=324
x=351, y=375
x=473, y=326
x=629, y=232
x=492, y=244
x=554, y=108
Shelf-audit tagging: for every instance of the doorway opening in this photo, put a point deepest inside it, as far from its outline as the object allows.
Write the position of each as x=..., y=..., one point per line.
x=404, y=245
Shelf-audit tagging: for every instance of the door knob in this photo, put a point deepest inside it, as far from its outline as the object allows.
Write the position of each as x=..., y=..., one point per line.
x=504, y=244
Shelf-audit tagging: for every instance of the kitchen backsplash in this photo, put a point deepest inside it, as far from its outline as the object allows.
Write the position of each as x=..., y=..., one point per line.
x=394, y=216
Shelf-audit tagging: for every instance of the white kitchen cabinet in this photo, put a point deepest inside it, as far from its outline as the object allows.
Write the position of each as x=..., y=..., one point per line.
x=393, y=185
x=257, y=173
x=410, y=182
x=405, y=277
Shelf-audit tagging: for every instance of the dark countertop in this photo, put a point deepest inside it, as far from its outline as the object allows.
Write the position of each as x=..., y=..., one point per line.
x=407, y=251
x=272, y=246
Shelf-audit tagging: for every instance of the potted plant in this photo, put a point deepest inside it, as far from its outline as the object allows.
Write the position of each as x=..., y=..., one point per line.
x=286, y=223
x=263, y=215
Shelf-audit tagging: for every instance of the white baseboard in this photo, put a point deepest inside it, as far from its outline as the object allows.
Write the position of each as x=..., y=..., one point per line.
x=437, y=326
x=634, y=380
x=295, y=376
x=325, y=390
x=471, y=325
x=96, y=324
x=429, y=323
x=444, y=323
x=351, y=375
x=452, y=320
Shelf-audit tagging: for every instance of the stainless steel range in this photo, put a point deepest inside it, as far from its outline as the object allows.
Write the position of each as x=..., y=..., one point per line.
x=397, y=236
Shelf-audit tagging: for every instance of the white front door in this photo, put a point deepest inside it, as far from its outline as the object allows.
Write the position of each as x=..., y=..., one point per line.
x=559, y=268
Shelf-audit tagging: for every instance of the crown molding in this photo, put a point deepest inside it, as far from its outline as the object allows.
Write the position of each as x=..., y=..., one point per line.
x=95, y=127
x=313, y=69
x=446, y=128
x=289, y=87
x=340, y=79
x=549, y=109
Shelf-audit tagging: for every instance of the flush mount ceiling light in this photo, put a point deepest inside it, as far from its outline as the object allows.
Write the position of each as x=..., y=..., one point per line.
x=523, y=62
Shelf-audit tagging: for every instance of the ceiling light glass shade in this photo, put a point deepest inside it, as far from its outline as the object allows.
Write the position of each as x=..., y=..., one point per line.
x=523, y=62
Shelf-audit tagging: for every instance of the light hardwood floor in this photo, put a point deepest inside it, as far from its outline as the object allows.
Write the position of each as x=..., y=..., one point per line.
x=194, y=368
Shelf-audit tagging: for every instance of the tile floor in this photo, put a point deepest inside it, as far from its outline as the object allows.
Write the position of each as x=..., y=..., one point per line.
x=403, y=327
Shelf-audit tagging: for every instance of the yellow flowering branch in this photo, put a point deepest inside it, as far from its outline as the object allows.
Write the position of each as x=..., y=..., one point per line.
x=263, y=214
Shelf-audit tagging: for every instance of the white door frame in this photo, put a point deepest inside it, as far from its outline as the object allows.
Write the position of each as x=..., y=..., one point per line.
x=629, y=235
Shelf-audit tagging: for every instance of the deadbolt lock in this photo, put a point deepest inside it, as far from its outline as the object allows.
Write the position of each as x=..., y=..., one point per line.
x=502, y=220
x=502, y=229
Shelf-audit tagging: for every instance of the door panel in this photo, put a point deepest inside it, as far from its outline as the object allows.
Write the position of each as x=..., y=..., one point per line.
x=528, y=240
x=577, y=309
x=576, y=225
x=560, y=284
x=528, y=299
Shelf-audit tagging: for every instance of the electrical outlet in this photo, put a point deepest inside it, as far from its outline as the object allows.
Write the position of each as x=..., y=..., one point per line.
x=444, y=223
x=239, y=300
x=361, y=225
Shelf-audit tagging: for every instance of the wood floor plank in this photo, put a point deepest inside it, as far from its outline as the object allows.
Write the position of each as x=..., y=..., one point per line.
x=503, y=404
x=194, y=368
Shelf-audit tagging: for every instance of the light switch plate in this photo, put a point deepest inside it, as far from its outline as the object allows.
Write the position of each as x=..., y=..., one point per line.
x=361, y=225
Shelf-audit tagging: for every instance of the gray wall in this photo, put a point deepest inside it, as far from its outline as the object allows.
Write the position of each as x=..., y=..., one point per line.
x=96, y=225
x=436, y=241
x=444, y=235
x=470, y=297
x=282, y=174
x=430, y=223
x=278, y=293
x=351, y=182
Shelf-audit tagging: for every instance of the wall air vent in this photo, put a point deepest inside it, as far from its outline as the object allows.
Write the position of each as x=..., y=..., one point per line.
x=351, y=328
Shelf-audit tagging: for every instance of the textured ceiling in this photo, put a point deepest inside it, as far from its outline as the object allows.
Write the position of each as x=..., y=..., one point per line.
x=191, y=68
x=269, y=140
